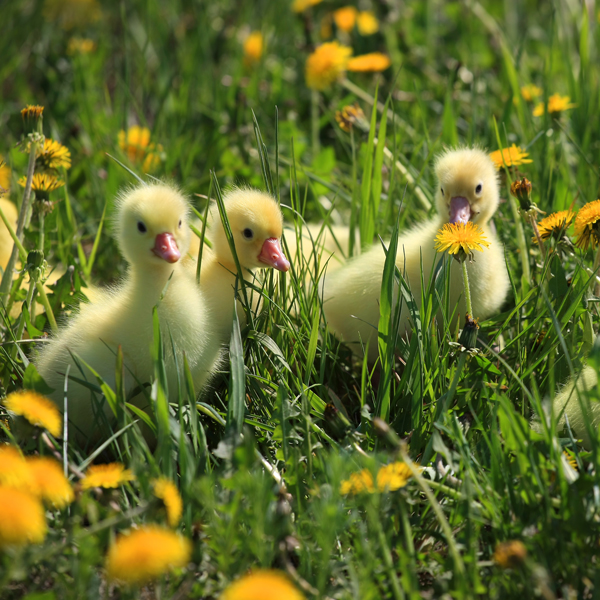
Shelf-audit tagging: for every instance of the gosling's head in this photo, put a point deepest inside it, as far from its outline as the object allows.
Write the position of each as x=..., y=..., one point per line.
x=467, y=186
x=151, y=225
x=257, y=225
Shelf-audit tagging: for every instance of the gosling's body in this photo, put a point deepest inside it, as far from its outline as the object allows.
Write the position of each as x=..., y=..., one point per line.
x=325, y=247
x=567, y=404
x=124, y=315
x=351, y=294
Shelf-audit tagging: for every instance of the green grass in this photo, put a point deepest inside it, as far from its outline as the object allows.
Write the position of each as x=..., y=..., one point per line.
x=259, y=455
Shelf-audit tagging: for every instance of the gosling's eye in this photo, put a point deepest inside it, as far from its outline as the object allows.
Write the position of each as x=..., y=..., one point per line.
x=478, y=188
x=442, y=190
x=179, y=223
x=248, y=233
x=141, y=227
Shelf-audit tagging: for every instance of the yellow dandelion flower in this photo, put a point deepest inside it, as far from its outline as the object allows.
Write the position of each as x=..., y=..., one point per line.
x=375, y=61
x=253, y=48
x=510, y=554
x=23, y=520
x=299, y=6
x=262, y=585
x=530, y=92
x=5, y=173
x=556, y=104
x=513, y=157
x=393, y=476
x=145, y=554
x=357, y=483
x=50, y=483
x=43, y=182
x=152, y=159
x=54, y=155
x=106, y=476
x=14, y=470
x=32, y=111
x=70, y=14
x=587, y=227
x=367, y=23
x=136, y=144
x=461, y=239
x=79, y=45
x=555, y=225
x=326, y=65
x=167, y=491
x=37, y=409
x=345, y=18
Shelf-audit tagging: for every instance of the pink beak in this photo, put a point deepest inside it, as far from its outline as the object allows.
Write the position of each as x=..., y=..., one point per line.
x=272, y=255
x=165, y=247
x=460, y=210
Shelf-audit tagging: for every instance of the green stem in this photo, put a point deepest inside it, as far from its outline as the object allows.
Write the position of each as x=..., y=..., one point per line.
x=360, y=93
x=12, y=261
x=46, y=304
x=407, y=176
x=467, y=289
x=443, y=407
x=21, y=326
x=538, y=237
x=596, y=265
x=437, y=509
x=314, y=116
x=388, y=560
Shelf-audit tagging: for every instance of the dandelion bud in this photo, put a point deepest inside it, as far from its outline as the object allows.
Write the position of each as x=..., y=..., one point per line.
x=32, y=117
x=521, y=190
x=350, y=116
x=510, y=555
x=468, y=336
x=35, y=259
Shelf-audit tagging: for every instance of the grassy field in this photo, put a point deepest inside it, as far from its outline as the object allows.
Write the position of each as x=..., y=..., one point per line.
x=277, y=463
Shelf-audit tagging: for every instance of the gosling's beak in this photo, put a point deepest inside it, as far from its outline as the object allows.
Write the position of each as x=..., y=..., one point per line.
x=272, y=255
x=460, y=210
x=165, y=247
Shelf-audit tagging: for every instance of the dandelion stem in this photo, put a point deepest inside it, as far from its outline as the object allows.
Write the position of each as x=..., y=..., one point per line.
x=314, y=116
x=21, y=326
x=12, y=261
x=357, y=91
x=46, y=304
x=596, y=266
x=407, y=176
x=521, y=243
x=467, y=288
x=536, y=231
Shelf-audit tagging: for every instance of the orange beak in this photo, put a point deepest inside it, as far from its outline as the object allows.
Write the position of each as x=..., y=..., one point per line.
x=165, y=247
x=272, y=255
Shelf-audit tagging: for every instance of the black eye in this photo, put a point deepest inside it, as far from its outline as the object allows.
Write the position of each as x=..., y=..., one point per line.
x=442, y=190
x=478, y=188
x=179, y=223
x=141, y=227
x=248, y=233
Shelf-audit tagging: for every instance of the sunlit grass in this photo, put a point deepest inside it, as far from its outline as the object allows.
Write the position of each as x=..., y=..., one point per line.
x=259, y=456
